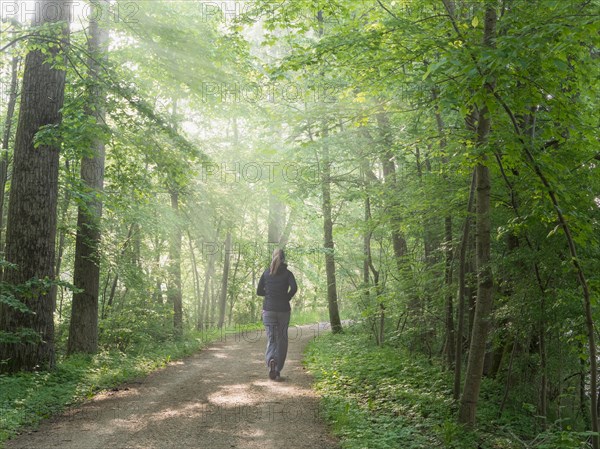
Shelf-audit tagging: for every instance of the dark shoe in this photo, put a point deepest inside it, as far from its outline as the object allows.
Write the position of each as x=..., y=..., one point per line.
x=278, y=377
x=272, y=369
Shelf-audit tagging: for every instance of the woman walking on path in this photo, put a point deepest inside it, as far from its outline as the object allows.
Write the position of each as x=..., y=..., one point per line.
x=278, y=285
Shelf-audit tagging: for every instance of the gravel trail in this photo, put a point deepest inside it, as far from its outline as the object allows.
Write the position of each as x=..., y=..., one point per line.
x=218, y=398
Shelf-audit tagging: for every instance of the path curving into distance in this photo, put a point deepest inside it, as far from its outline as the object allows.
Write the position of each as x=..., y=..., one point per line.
x=219, y=398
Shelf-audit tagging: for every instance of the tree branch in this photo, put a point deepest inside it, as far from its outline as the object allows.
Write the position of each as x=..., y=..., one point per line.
x=387, y=10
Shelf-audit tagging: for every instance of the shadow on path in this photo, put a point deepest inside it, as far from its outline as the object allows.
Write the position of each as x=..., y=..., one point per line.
x=218, y=398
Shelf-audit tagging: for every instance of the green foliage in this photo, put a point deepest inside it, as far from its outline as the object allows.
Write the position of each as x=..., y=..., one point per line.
x=385, y=397
x=27, y=398
x=174, y=110
x=16, y=296
x=139, y=324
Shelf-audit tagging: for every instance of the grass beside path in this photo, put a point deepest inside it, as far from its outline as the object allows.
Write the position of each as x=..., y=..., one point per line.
x=27, y=398
x=383, y=397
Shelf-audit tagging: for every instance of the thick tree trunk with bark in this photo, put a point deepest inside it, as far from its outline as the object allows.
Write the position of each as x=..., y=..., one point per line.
x=83, y=330
x=31, y=224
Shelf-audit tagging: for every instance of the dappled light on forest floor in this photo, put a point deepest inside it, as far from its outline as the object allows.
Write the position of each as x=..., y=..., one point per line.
x=174, y=173
x=219, y=398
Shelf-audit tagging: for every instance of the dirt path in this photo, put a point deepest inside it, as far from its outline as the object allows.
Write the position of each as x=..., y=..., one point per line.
x=218, y=398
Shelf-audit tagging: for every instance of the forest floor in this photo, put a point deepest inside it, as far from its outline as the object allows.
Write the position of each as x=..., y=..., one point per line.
x=218, y=398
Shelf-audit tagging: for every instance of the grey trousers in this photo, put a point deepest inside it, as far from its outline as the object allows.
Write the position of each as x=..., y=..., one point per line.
x=276, y=325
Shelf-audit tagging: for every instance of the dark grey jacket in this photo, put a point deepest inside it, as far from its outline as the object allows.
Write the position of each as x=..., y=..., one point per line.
x=278, y=289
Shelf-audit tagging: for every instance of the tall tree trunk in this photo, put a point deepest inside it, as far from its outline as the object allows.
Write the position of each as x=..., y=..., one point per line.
x=587, y=301
x=224, y=280
x=581, y=277
x=205, y=312
x=448, y=253
x=379, y=327
x=332, y=300
x=389, y=176
x=450, y=335
x=483, y=308
x=4, y=159
x=115, y=281
x=213, y=304
x=62, y=233
x=253, y=307
x=543, y=408
x=83, y=329
x=232, y=294
x=287, y=230
x=462, y=291
x=158, y=294
x=378, y=322
x=196, y=276
x=31, y=224
x=174, y=290
x=276, y=219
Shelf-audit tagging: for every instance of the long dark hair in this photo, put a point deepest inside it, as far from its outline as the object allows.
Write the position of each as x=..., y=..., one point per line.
x=278, y=259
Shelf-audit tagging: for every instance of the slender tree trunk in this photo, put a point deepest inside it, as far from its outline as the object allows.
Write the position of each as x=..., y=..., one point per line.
x=113, y=290
x=232, y=294
x=62, y=232
x=224, y=280
x=31, y=224
x=253, y=307
x=196, y=276
x=483, y=307
x=543, y=410
x=462, y=291
x=136, y=253
x=83, y=330
x=450, y=335
x=158, y=294
x=276, y=219
x=332, y=300
x=4, y=159
x=208, y=272
x=366, y=249
x=471, y=288
x=287, y=230
x=390, y=178
x=581, y=277
x=583, y=405
x=508, y=378
x=213, y=304
x=115, y=282
x=448, y=252
x=174, y=290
